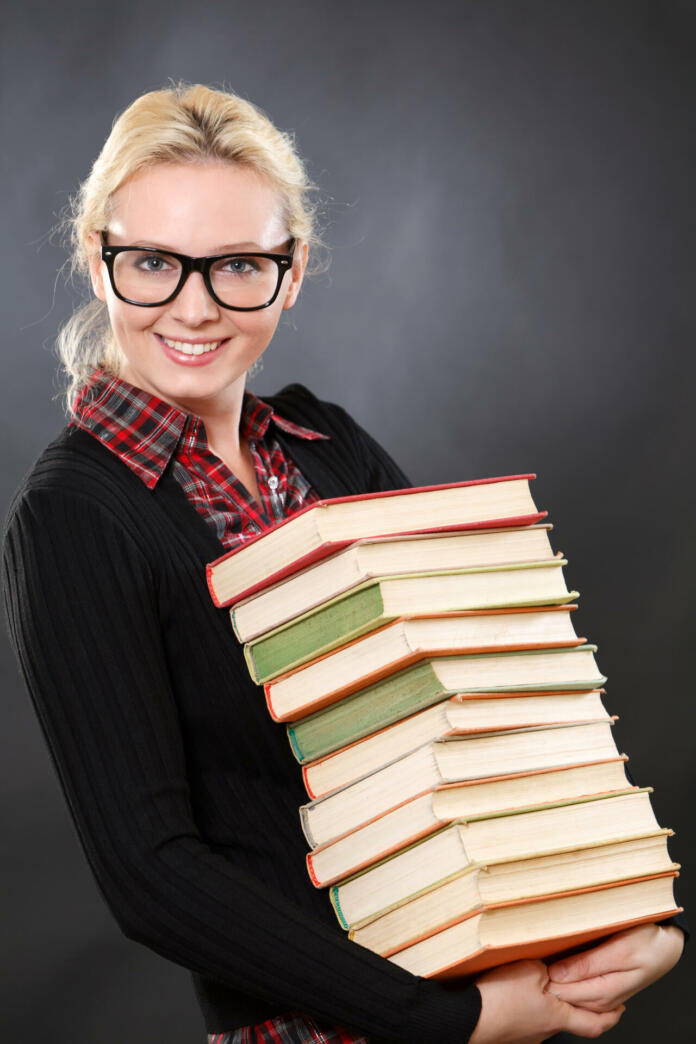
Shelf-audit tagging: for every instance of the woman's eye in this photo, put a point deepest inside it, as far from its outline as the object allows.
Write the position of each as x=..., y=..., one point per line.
x=151, y=263
x=241, y=265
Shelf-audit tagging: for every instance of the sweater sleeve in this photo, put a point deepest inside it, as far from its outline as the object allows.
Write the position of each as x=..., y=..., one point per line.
x=82, y=608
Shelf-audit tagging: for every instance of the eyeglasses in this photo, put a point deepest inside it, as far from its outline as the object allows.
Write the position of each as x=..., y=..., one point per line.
x=243, y=282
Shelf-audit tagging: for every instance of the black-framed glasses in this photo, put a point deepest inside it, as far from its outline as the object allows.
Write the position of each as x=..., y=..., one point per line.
x=243, y=282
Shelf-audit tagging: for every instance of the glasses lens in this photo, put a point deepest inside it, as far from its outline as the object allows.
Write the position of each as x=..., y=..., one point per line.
x=146, y=276
x=245, y=282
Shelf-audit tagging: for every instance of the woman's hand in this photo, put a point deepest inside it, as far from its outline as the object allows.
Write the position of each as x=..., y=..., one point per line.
x=604, y=977
x=518, y=1009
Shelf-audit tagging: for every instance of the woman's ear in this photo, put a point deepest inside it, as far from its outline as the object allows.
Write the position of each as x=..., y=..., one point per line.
x=299, y=263
x=96, y=265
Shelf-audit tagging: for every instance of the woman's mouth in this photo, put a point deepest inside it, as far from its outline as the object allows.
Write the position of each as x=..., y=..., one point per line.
x=190, y=353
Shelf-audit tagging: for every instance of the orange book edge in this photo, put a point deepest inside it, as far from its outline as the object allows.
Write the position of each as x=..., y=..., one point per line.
x=442, y=823
x=495, y=951
x=461, y=698
x=329, y=698
x=491, y=957
x=543, y=897
x=483, y=779
x=565, y=607
x=239, y=601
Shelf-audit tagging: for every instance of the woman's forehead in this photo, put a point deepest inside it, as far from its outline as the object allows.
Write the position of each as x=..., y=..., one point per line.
x=198, y=207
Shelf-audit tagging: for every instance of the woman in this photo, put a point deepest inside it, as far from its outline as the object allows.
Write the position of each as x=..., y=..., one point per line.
x=196, y=232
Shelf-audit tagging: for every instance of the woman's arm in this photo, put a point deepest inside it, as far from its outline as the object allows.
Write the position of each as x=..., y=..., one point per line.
x=81, y=599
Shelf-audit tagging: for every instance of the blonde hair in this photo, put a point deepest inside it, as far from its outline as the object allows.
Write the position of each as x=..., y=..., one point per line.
x=179, y=124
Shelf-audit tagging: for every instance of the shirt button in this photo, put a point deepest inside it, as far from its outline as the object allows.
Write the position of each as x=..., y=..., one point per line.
x=273, y=482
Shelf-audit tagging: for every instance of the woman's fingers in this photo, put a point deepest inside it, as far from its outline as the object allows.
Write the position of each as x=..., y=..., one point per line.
x=616, y=954
x=603, y=993
x=591, y=1024
x=519, y=1008
x=607, y=975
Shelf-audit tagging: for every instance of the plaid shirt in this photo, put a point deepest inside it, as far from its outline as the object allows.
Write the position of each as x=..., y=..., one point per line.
x=288, y=1029
x=149, y=434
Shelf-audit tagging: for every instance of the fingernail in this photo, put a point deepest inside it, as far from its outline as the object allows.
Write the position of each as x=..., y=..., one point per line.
x=559, y=971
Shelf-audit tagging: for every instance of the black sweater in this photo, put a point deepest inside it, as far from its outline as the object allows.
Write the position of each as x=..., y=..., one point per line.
x=183, y=790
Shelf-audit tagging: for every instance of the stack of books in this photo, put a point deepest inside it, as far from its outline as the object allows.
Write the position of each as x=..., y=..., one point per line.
x=468, y=804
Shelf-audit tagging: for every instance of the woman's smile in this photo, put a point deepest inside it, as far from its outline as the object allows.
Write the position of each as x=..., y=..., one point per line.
x=191, y=352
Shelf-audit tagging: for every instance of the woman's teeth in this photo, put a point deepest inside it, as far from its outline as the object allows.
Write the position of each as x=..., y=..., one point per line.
x=192, y=349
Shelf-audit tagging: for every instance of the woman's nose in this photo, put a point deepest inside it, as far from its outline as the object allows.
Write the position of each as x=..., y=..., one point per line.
x=193, y=304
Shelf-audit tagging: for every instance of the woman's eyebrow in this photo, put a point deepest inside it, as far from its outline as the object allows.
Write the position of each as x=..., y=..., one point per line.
x=226, y=248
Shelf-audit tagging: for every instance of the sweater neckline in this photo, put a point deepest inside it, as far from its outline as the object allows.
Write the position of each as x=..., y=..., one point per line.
x=171, y=492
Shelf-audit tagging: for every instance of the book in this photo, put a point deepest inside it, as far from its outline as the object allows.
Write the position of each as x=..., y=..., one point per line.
x=392, y=646
x=326, y=526
x=422, y=815
x=385, y=556
x=449, y=760
x=379, y=601
x=478, y=886
x=415, y=688
x=525, y=835
x=425, y=683
x=538, y=928
x=457, y=714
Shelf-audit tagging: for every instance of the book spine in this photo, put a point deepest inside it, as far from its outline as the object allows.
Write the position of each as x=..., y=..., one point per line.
x=251, y=664
x=365, y=712
x=235, y=628
x=335, y=900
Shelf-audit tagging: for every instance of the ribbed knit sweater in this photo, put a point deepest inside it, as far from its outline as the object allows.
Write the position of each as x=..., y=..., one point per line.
x=184, y=792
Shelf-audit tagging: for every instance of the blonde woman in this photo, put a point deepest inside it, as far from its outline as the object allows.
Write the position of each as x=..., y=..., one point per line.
x=196, y=231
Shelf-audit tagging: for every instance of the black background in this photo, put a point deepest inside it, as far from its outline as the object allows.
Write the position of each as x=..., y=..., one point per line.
x=508, y=193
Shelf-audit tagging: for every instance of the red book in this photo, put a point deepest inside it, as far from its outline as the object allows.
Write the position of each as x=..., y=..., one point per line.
x=327, y=526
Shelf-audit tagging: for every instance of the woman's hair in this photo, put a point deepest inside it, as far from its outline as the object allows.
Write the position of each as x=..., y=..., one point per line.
x=184, y=123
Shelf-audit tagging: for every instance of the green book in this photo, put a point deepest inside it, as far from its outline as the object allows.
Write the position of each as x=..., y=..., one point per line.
x=428, y=682
x=380, y=600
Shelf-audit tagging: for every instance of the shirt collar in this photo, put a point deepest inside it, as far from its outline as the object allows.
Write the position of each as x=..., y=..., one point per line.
x=145, y=431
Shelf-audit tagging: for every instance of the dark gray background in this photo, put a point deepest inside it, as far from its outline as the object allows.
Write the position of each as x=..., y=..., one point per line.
x=509, y=196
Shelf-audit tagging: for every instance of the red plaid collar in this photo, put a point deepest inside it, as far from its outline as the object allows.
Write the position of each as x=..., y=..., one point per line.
x=145, y=431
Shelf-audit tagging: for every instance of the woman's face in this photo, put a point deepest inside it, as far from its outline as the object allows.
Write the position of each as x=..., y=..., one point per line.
x=199, y=210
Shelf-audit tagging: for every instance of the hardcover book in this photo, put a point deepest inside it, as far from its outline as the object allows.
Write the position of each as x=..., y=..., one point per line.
x=376, y=647
x=538, y=928
x=521, y=835
x=509, y=882
x=326, y=526
x=454, y=716
x=427, y=812
x=427, y=682
x=386, y=556
x=454, y=759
